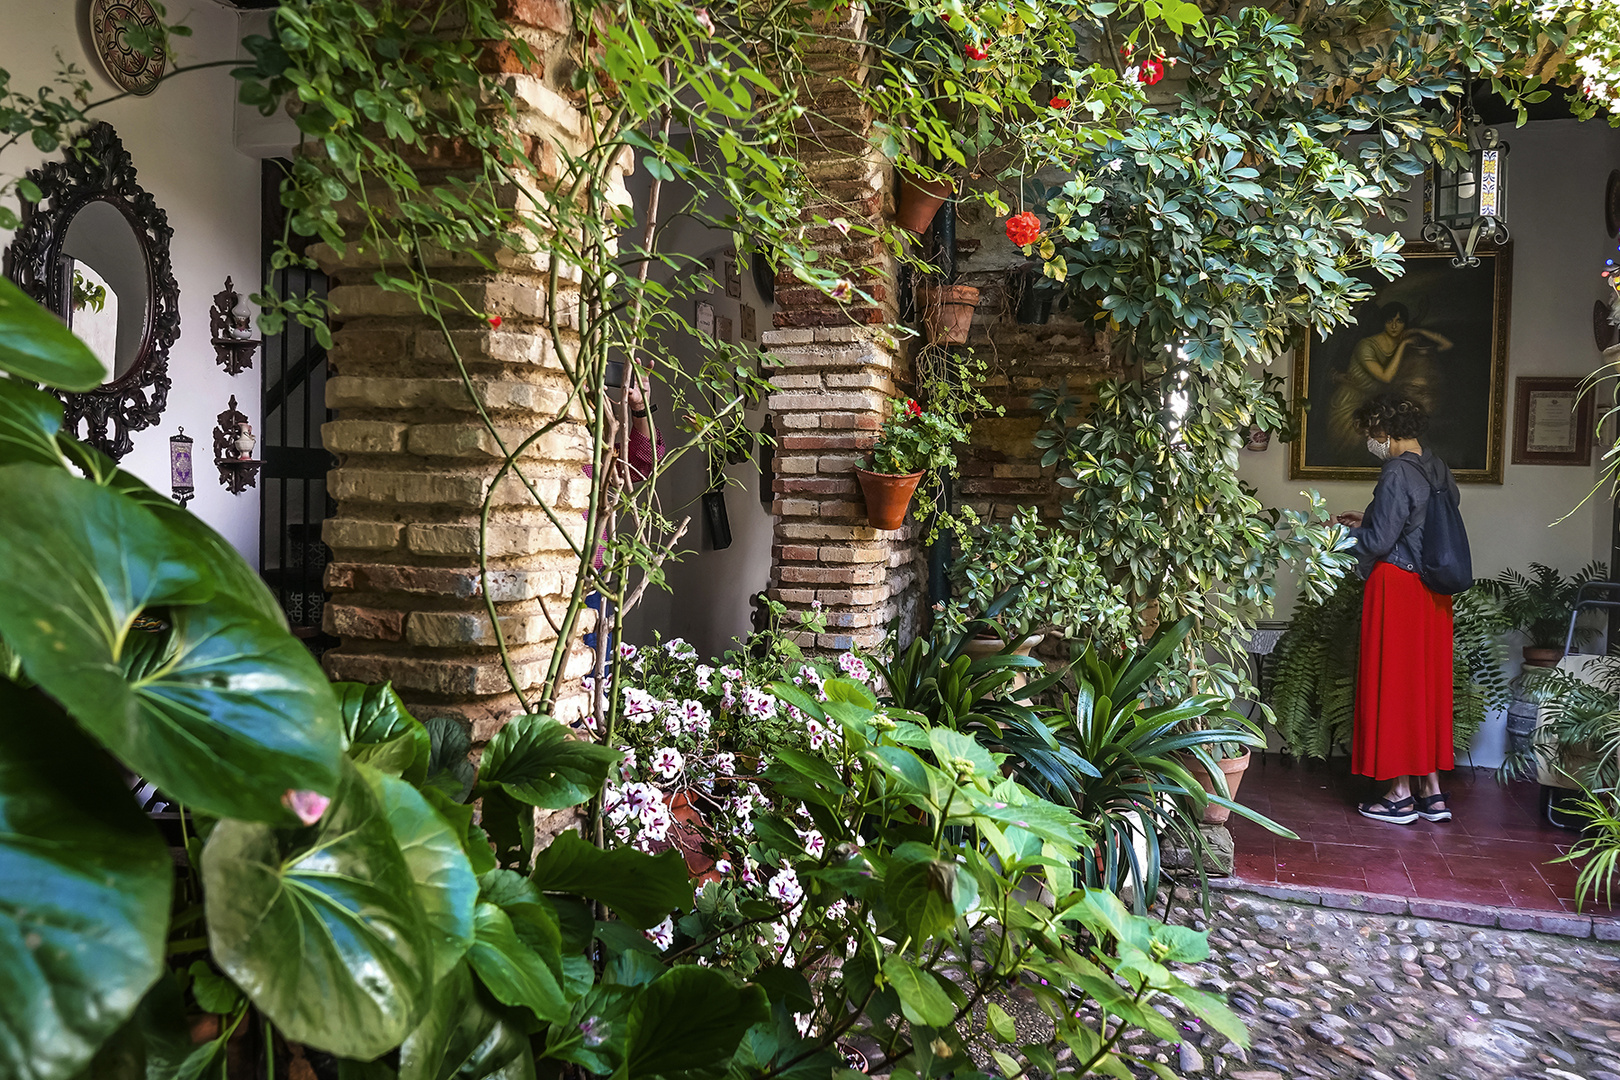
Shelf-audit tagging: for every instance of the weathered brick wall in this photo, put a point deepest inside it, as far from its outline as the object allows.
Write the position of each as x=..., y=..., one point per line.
x=838, y=368
x=415, y=462
x=1001, y=469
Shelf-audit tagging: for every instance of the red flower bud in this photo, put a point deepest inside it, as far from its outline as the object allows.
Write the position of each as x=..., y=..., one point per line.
x=973, y=52
x=1061, y=103
x=1023, y=228
x=912, y=408
x=495, y=321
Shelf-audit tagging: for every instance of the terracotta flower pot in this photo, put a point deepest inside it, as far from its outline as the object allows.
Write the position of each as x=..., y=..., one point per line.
x=947, y=312
x=1233, y=769
x=1539, y=657
x=1259, y=440
x=919, y=201
x=686, y=836
x=888, y=496
x=981, y=645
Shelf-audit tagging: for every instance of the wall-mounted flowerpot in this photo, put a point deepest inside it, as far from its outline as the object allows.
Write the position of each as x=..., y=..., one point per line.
x=1259, y=440
x=981, y=645
x=888, y=496
x=1032, y=305
x=947, y=311
x=1232, y=768
x=919, y=201
x=1538, y=657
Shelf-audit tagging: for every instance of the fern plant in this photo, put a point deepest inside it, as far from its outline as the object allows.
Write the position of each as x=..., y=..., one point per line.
x=1312, y=689
x=1539, y=604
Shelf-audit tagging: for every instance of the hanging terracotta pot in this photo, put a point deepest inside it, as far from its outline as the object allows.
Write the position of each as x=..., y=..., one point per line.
x=947, y=311
x=919, y=201
x=1232, y=768
x=888, y=496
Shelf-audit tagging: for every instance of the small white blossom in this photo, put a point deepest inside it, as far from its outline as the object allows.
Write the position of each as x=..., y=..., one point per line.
x=784, y=887
x=662, y=935
x=666, y=762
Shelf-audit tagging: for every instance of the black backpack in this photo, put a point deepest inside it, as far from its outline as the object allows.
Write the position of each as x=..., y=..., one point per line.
x=1445, y=564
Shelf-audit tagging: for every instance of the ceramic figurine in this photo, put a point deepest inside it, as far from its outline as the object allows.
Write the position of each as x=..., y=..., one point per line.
x=244, y=442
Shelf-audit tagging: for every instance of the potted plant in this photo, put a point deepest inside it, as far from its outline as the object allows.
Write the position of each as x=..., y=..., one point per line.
x=919, y=200
x=914, y=441
x=946, y=312
x=1539, y=606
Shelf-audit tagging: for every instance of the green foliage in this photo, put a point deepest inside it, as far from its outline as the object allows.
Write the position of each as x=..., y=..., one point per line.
x=1598, y=850
x=1026, y=577
x=1539, y=605
x=1157, y=503
x=1312, y=692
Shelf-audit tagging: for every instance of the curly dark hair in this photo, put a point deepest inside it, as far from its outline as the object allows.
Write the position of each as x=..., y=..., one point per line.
x=1393, y=415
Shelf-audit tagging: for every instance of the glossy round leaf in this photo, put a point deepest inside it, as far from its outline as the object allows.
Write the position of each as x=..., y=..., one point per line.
x=379, y=731
x=690, y=1018
x=535, y=760
x=321, y=926
x=35, y=345
x=466, y=1035
x=445, y=883
x=29, y=421
x=85, y=884
x=231, y=715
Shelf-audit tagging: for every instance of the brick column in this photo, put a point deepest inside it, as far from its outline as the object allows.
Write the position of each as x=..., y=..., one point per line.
x=837, y=368
x=415, y=462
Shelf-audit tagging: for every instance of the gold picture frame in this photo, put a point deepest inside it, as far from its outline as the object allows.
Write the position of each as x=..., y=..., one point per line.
x=1451, y=354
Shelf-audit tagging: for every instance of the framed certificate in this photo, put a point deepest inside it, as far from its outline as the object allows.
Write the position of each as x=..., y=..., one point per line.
x=1552, y=422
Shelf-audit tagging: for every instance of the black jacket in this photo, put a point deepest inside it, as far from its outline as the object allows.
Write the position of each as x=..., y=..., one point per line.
x=1391, y=530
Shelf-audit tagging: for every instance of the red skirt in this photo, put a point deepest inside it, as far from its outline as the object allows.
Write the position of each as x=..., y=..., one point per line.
x=1403, y=687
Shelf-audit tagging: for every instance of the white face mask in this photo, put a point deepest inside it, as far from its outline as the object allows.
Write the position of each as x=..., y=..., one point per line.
x=1379, y=450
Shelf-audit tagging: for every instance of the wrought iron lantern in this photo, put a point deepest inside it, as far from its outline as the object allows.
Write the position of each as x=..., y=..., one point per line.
x=1462, y=204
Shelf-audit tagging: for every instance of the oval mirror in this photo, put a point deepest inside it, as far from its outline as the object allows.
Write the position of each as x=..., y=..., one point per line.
x=109, y=285
x=95, y=250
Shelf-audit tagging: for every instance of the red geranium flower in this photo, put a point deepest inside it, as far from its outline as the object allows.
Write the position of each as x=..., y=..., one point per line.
x=1151, y=72
x=495, y=321
x=973, y=52
x=1061, y=103
x=912, y=408
x=1023, y=228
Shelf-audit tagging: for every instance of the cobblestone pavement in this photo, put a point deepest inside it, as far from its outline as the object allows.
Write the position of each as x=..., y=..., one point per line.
x=1378, y=997
x=1355, y=996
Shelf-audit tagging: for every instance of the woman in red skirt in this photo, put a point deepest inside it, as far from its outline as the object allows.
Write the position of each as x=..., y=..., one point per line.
x=1403, y=687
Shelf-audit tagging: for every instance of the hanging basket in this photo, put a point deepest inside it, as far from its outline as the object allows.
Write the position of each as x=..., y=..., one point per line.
x=947, y=312
x=919, y=201
x=888, y=496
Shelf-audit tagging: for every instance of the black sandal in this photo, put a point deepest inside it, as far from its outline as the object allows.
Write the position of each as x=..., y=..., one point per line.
x=1426, y=807
x=1396, y=813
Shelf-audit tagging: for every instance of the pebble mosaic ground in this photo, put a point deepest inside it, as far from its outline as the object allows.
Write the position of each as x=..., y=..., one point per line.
x=1338, y=994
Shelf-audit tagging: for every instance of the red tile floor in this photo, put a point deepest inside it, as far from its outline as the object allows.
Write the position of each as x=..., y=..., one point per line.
x=1495, y=851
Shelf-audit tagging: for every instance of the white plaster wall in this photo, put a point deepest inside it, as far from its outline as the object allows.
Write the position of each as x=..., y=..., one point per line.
x=1554, y=209
x=180, y=139
x=710, y=597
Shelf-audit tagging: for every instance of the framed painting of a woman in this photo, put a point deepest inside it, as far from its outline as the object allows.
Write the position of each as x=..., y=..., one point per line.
x=1437, y=334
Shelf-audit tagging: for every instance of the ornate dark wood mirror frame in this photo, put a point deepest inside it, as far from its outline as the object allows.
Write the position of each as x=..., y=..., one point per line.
x=102, y=171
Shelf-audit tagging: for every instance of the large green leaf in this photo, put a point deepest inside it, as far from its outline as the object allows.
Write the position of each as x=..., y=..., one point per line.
x=322, y=926
x=449, y=771
x=690, y=1019
x=535, y=760
x=209, y=551
x=234, y=712
x=85, y=883
x=36, y=345
x=513, y=971
x=641, y=889
x=29, y=421
x=466, y=1036
x=445, y=884
x=925, y=893
x=379, y=732
x=922, y=999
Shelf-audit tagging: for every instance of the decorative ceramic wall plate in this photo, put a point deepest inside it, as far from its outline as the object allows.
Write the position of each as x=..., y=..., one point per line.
x=132, y=70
